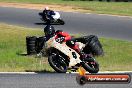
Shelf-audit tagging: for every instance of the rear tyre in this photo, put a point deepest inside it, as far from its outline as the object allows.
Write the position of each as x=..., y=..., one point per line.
x=57, y=63
x=90, y=65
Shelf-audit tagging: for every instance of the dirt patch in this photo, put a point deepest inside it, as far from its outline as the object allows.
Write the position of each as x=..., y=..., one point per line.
x=41, y=7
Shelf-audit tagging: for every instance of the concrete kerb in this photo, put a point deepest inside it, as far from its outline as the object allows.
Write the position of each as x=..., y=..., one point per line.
x=104, y=72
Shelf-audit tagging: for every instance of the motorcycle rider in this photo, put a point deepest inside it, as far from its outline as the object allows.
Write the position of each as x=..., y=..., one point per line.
x=49, y=32
x=65, y=37
x=62, y=37
x=47, y=13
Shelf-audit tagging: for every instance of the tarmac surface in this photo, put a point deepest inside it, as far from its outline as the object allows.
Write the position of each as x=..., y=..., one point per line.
x=86, y=24
x=50, y=80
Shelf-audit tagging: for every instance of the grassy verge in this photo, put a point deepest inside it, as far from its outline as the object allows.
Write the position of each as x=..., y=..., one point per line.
x=118, y=8
x=118, y=55
x=12, y=45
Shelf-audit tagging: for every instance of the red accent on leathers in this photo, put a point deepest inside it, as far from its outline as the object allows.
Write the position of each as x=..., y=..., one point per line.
x=76, y=48
x=63, y=34
x=67, y=37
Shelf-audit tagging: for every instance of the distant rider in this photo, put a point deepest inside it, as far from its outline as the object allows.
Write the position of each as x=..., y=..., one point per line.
x=47, y=13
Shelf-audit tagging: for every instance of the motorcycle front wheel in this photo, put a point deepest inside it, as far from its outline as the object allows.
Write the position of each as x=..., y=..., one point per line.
x=61, y=21
x=57, y=63
x=90, y=65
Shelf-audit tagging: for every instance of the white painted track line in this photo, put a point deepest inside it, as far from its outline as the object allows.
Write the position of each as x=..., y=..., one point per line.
x=66, y=72
x=18, y=73
x=105, y=72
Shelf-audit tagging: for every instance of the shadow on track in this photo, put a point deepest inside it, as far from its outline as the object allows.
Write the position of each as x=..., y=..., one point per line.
x=46, y=24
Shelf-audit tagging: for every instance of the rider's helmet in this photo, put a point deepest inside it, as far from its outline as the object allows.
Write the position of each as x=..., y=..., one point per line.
x=49, y=30
x=46, y=8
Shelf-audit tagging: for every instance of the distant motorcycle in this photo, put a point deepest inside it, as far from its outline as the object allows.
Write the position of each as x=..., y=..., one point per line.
x=52, y=19
x=61, y=57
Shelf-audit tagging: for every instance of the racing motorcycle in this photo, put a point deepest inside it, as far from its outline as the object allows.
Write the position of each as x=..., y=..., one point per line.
x=61, y=57
x=52, y=19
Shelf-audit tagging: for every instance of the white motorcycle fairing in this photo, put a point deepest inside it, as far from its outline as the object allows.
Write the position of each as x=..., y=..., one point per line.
x=56, y=16
x=72, y=54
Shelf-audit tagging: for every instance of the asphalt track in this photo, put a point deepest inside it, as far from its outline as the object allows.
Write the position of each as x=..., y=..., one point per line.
x=50, y=80
x=86, y=24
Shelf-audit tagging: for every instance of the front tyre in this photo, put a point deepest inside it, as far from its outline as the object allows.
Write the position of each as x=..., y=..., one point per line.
x=61, y=21
x=90, y=65
x=57, y=63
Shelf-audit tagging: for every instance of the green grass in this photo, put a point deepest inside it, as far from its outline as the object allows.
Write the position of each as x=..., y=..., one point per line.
x=118, y=54
x=118, y=8
x=12, y=48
